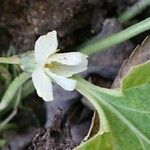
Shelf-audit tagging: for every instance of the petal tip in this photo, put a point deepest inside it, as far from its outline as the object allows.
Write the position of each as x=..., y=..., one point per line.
x=47, y=99
x=45, y=45
x=54, y=33
x=42, y=84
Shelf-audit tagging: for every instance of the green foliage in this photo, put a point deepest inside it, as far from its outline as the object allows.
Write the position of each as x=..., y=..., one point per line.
x=124, y=114
x=137, y=76
x=2, y=143
x=99, y=141
x=12, y=89
x=127, y=113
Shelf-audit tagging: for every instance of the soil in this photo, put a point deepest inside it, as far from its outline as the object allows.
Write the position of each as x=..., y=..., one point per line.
x=63, y=123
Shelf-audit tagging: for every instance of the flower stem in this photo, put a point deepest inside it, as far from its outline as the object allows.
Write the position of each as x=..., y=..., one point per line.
x=10, y=60
x=117, y=38
x=134, y=10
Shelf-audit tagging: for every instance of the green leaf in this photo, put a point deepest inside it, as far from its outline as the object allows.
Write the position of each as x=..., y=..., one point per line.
x=137, y=76
x=103, y=138
x=4, y=74
x=99, y=141
x=12, y=89
x=2, y=143
x=128, y=116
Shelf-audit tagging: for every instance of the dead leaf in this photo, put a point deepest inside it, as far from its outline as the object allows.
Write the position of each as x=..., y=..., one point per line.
x=140, y=55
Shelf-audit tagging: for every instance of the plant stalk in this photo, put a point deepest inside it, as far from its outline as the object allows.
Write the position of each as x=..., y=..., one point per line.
x=117, y=38
x=134, y=10
x=10, y=60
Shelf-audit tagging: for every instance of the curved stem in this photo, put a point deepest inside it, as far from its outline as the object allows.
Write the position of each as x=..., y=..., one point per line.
x=134, y=10
x=117, y=38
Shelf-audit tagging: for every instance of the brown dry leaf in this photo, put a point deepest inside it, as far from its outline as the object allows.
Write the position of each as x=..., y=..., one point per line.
x=94, y=128
x=140, y=55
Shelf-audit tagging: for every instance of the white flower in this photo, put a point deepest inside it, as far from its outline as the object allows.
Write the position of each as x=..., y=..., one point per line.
x=51, y=66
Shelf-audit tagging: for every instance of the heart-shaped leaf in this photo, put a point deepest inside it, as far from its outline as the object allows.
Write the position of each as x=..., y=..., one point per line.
x=127, y=115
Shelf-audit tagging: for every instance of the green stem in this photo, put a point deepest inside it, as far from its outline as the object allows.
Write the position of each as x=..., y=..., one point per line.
x=10, y=60
x=12, y=89
x=134, y=10
x=13, y=113
x=117, y=38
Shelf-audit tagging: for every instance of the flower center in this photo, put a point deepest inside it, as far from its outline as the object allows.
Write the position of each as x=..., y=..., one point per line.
x=49, y=65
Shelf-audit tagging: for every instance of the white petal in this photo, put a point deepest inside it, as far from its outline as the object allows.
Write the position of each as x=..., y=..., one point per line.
x=67, y=84
x=72, y=58
x=44, y=46
x=42, y=84
x=68, y=71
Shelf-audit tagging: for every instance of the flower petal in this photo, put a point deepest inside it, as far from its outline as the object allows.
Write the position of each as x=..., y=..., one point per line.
x=67, y=84
x=42, y=84
x=68, y=71
x=72, y=58
x=44, y=46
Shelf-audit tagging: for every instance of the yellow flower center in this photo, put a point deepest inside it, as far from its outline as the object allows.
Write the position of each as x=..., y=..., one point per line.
x=49, y=65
